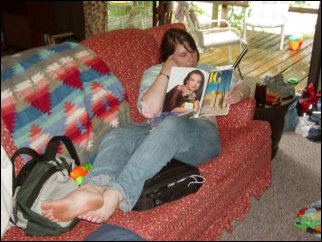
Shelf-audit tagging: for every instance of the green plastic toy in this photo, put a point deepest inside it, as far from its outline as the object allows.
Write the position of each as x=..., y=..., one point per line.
x=293, y=80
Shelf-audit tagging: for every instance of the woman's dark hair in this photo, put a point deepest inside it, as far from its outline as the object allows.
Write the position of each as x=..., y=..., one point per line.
x=199, y=91
x=171, y=38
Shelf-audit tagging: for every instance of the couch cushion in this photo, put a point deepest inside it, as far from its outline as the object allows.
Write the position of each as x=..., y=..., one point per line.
x=238, y=147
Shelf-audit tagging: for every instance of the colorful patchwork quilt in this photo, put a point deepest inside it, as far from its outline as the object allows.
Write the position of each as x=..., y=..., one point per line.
x=61, y=90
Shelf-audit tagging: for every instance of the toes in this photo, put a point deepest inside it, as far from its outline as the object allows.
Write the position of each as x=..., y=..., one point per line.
x=54, y=219
x=47, y=213
x=47, y=205
x=86, y=216
x=101, y=220
x=94, y=218
x=97, y=219
x=91, y=218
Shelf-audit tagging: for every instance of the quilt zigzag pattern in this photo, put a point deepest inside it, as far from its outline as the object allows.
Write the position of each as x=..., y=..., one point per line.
x=61, y=90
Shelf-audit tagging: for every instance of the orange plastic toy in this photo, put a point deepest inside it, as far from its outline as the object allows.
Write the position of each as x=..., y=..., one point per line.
x=79, y=172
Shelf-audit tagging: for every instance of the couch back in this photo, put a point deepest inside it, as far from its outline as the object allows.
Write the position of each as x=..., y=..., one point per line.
x=128, y=53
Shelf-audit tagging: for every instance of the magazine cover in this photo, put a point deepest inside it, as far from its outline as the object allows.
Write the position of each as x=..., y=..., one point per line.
x=195, y=92
x=218, y=85
x=185, y=90
x=193, y=89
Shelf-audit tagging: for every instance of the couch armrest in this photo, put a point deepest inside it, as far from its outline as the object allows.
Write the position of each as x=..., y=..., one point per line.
x=239, y=115
x=9, y=146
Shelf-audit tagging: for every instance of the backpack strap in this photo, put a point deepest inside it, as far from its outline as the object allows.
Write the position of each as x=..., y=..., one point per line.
x=52, y=146
x=26, y=168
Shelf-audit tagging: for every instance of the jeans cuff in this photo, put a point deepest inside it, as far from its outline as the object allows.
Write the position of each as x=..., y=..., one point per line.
x=98, y=180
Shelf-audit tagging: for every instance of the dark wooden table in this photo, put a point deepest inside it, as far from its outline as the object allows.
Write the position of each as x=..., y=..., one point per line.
x=275, y=115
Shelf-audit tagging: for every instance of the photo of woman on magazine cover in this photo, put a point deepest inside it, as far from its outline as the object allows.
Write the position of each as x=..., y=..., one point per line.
x=186, y=97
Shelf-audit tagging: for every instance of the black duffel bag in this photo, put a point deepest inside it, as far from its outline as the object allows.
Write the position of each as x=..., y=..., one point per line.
x=174, y=181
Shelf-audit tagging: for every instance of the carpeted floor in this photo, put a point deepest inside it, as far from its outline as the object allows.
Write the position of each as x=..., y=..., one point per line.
x=296, y=182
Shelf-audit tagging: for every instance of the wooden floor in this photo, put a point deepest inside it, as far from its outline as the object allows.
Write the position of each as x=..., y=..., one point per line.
x=264, y=58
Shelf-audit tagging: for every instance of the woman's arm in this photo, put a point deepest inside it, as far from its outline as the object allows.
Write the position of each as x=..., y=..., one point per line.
x=154, y=96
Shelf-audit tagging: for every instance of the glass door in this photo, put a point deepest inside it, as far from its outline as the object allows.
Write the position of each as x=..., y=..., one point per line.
x=130, y=14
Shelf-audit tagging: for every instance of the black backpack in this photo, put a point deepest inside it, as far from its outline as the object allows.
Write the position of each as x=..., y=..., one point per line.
x=43, y=178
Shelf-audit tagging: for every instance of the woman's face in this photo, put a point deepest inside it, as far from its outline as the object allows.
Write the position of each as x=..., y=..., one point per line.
x=194, y=82
x=184, y=56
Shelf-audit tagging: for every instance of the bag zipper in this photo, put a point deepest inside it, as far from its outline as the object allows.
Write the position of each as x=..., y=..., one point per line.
x=165, y=185
x=170, y=170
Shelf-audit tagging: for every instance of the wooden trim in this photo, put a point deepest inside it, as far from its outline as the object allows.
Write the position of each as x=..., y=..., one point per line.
x=303, y=10
x=245, y=4
x=232, y=3
x=154, y=6
x=315, y=63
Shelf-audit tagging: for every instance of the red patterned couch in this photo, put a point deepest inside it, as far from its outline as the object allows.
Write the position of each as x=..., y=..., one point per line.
x=242, y=169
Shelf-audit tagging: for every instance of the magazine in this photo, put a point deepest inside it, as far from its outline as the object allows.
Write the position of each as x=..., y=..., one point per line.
x=206, y=95
x=209, y=90
x=193, y=92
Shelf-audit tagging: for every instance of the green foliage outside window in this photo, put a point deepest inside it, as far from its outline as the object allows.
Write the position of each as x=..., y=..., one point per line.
x=236, y=18
x=299, y=4
x=197, y=9
x=236, y=14
x=141, y=8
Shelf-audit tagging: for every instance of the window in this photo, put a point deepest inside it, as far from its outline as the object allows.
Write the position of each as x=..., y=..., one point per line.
x=130, y=14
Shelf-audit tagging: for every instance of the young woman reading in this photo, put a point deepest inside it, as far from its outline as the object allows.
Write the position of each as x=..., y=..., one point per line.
x=128, y=156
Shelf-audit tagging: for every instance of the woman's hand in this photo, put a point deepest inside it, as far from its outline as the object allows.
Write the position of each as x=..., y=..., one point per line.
x=233, y=96
x=153, y=98
x=185, y=90
x=238, y=93
x=168, y=64
x=196, y=106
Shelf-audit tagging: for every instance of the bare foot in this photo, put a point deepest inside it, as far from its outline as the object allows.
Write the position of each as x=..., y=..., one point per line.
x=112, y=199
x=82, y=200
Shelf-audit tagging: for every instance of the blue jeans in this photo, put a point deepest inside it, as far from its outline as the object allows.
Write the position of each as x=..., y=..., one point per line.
x=110, y=232
x=128, y=156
